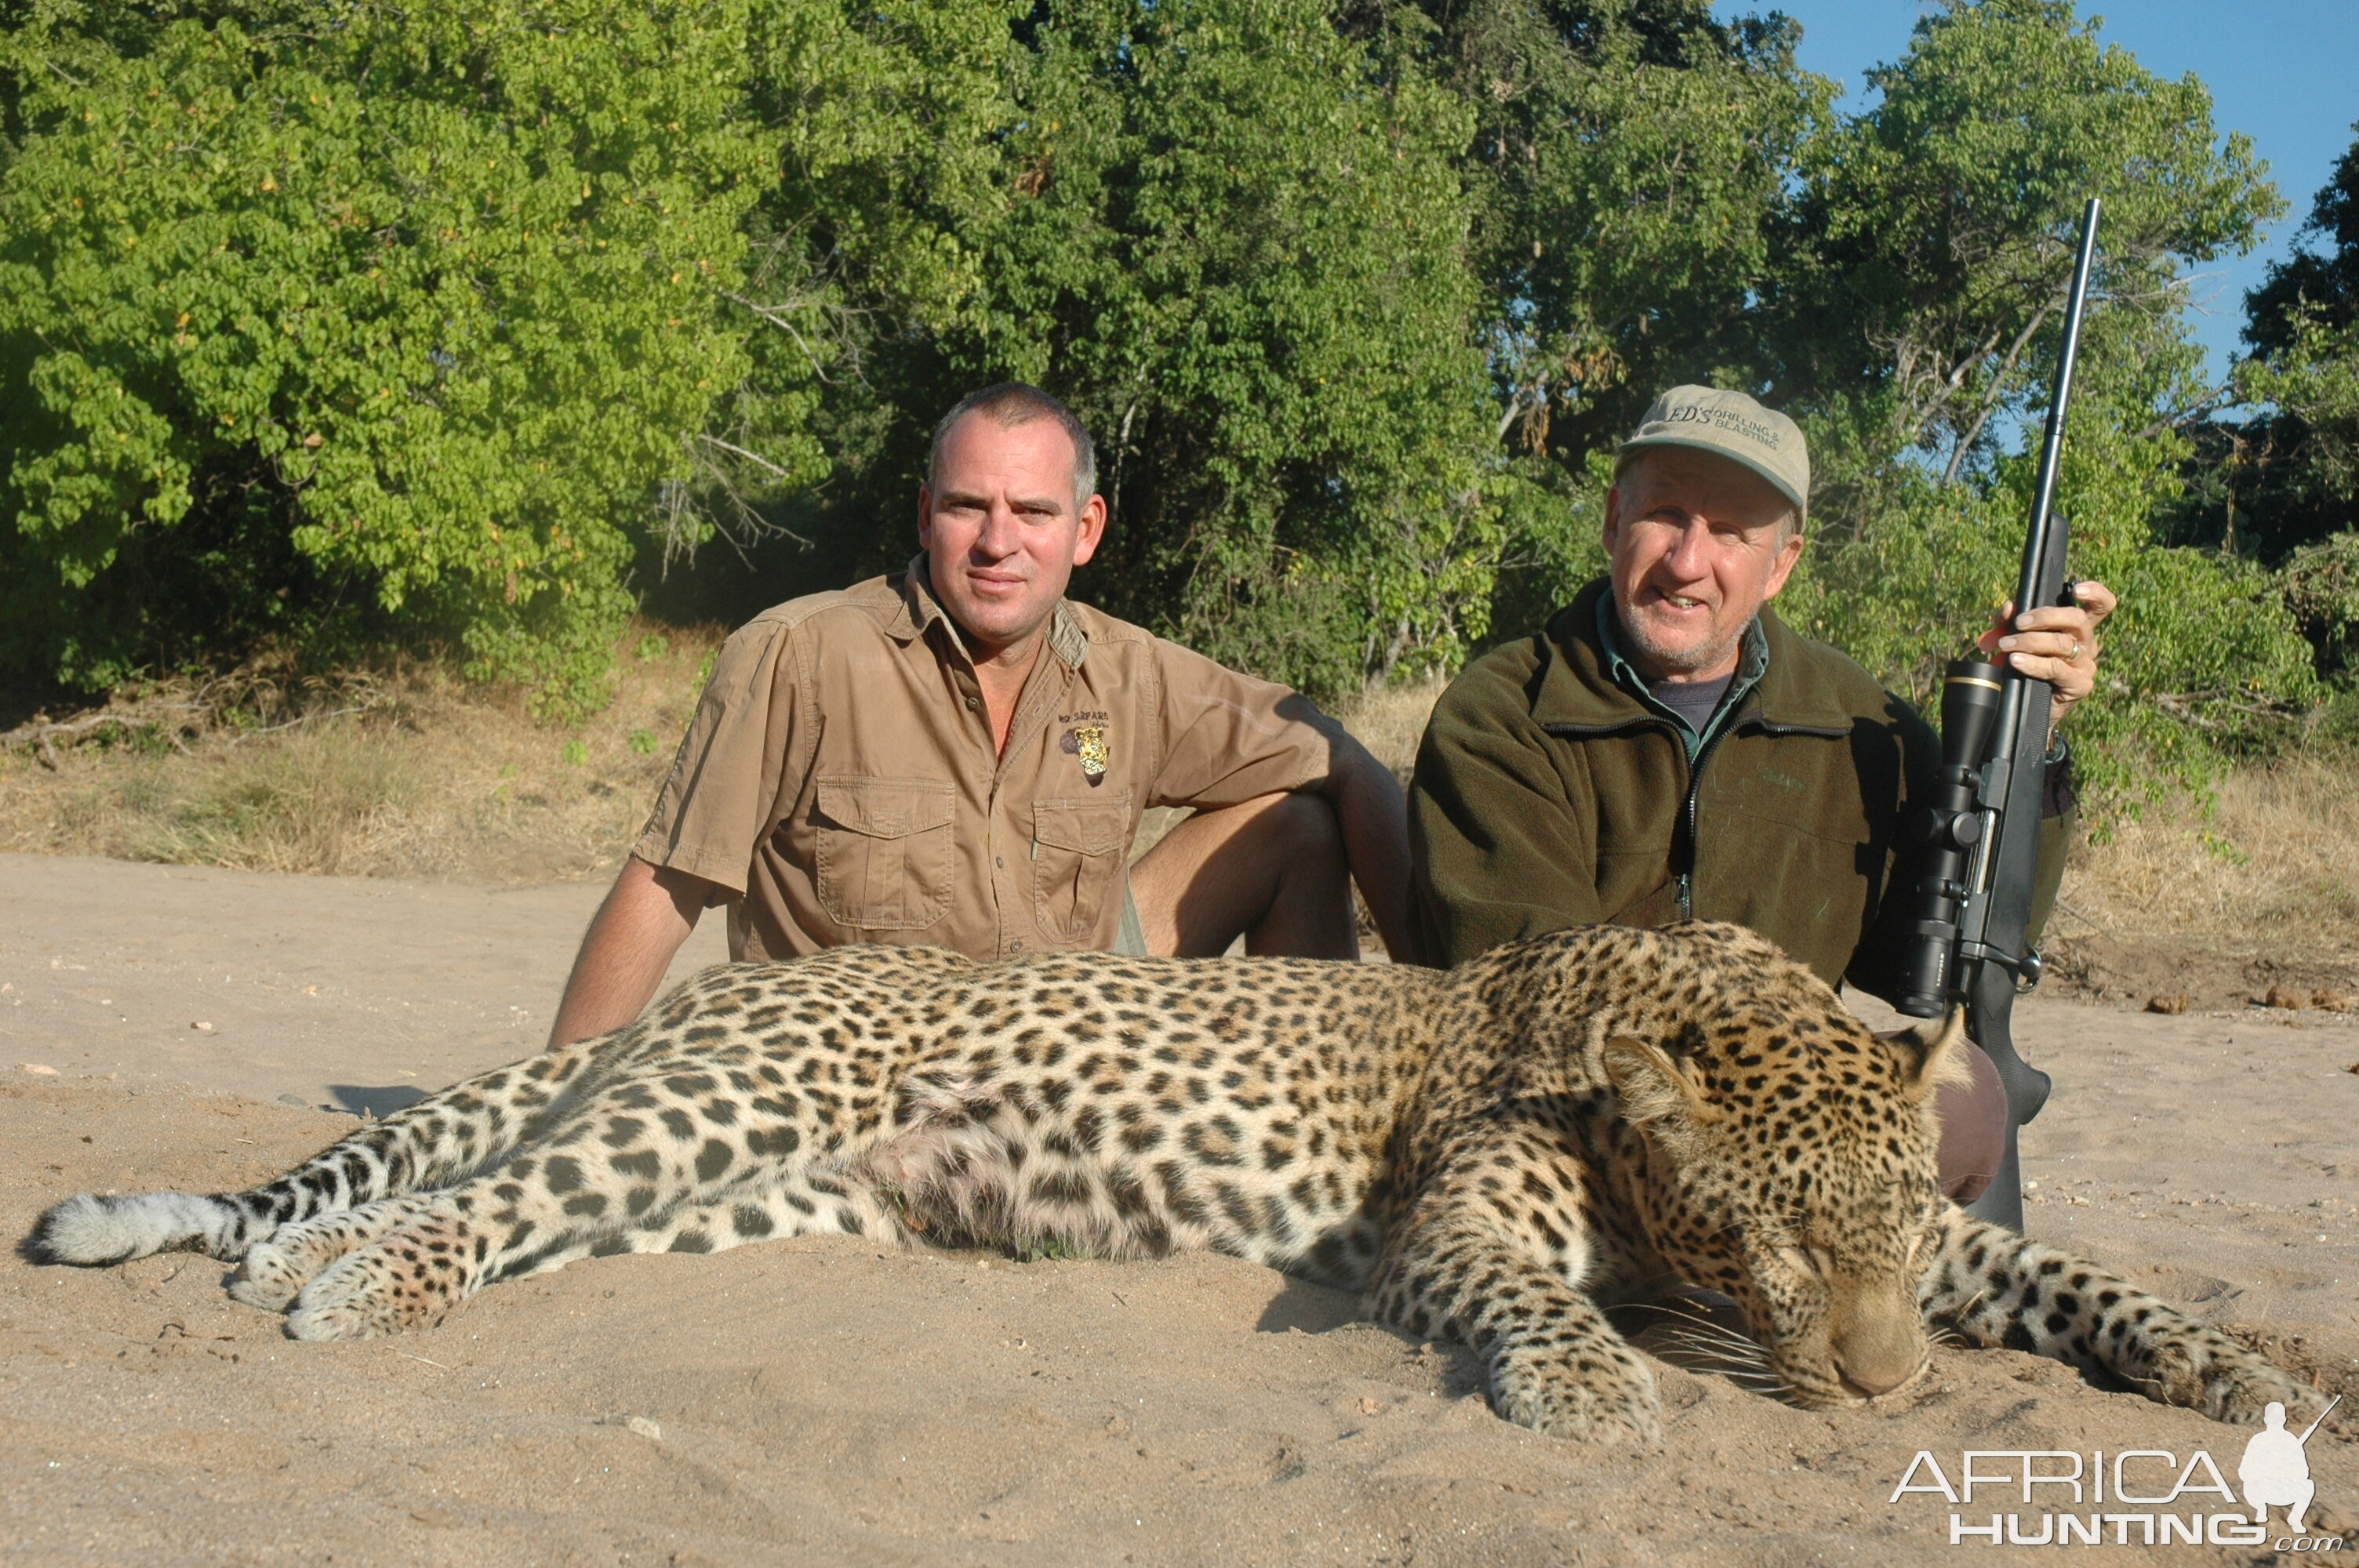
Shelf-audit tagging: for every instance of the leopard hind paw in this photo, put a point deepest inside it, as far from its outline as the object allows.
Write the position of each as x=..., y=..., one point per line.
x=2208, y=1371
x=411, y=1278
x=274, y=1271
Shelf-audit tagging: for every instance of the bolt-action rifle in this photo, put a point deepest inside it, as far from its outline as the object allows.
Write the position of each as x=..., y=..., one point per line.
x=1978, y=838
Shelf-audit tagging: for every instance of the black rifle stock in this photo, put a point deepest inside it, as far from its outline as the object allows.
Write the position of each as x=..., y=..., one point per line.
x=1979, y=838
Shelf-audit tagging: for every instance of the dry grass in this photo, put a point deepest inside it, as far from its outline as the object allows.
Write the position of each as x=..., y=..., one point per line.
x=2271, y=867
x=434, y=779
x=1390, y=721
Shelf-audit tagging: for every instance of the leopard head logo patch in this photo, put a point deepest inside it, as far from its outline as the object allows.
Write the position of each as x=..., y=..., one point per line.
x=1088, y=741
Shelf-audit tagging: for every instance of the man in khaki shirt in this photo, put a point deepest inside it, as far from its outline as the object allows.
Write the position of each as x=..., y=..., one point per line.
x=958, y=756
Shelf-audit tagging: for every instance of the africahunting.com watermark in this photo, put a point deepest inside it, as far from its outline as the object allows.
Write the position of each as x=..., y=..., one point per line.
x=2132, y=1496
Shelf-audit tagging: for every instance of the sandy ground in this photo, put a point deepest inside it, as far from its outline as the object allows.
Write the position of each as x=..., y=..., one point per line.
x=819, y=1402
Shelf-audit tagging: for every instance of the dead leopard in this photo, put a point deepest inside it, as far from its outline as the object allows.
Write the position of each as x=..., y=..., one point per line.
x=1494, y=1154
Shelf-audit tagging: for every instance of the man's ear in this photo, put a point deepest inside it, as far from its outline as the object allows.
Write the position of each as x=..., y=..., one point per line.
x=925, y=517
x=1657, y=1091
x=1787, y=554
x=1091, y=530
x=1931, y=1053
x=1613, y=529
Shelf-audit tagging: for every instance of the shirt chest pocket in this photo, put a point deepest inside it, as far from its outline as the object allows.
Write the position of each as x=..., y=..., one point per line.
x=1079, y=850
x=885, y=851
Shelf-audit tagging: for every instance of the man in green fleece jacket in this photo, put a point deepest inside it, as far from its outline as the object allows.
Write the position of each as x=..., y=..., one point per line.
x=1666, y=749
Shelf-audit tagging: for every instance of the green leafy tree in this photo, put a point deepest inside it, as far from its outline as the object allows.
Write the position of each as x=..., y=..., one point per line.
x=372, y=319
x=333, y=325
x=2293, y=461
x=891, y=164
x=2314, y=380
x=1628, y=172
x=2313, y=286
x=1921, y=302
x=1918, y=321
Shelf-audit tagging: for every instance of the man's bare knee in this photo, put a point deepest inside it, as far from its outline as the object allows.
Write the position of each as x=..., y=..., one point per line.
x=1310, y=913
x=1304, y=826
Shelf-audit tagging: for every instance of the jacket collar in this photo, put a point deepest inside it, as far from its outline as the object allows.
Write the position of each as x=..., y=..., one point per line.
x=917, y=610
x=1578, y=694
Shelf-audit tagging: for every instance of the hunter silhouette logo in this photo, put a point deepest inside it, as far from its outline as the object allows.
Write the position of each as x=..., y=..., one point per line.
x=2275, y=1471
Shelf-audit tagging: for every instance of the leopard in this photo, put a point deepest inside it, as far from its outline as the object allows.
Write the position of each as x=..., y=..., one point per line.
x=1498, y=1156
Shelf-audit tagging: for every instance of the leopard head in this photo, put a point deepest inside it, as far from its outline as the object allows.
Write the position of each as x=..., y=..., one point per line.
x=1790, y=1157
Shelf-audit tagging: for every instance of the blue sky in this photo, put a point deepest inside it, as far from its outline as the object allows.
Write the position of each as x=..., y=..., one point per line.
x=2285, y=72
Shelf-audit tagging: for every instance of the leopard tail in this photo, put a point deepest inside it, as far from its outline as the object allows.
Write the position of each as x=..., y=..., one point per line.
x=439, y=1140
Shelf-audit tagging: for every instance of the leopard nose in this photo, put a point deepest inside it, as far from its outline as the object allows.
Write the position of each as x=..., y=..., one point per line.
x=1877, y=1355
x=1868, y=1384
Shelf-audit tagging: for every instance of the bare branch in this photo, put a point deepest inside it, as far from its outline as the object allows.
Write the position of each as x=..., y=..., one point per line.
x=306, y=719
x=755, y=458
x=1991, y=397
x=778, y=316
x=2202, y=406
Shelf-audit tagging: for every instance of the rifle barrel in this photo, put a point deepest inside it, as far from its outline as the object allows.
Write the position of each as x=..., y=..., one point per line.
x=2028, y=589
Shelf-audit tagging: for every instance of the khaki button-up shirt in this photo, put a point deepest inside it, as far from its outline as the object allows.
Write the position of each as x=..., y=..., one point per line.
x=839, y=781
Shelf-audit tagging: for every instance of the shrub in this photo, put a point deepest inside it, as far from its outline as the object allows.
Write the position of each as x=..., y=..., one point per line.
x=358, y=321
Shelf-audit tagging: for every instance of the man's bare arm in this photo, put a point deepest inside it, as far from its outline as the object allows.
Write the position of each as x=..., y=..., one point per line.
x=1374, y=815
x=631, y=942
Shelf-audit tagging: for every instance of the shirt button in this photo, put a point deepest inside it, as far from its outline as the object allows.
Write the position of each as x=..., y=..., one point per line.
x=1000, y=860
x=1016, y=945
x=973, y=704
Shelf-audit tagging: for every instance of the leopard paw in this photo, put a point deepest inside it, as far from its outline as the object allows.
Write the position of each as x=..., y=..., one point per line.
x=276, y=1271
x=1579, y=1395
x=268, y=1278
x=411, y=1278
x=2203, y=1369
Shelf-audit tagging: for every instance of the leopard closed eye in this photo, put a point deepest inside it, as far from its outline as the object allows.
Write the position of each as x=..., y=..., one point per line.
x=1493, y=1155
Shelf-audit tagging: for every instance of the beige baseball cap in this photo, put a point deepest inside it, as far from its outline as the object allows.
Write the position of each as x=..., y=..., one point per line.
x=1736, y=427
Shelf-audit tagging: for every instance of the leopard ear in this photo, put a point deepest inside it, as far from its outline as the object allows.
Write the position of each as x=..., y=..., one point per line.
x=1932, y=1054
x=1654, y=1086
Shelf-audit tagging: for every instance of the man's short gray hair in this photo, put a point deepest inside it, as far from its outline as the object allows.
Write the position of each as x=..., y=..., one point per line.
x=1011, y=404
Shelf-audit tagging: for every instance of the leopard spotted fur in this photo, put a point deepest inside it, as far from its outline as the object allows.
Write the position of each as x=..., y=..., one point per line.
x=1495, y=1155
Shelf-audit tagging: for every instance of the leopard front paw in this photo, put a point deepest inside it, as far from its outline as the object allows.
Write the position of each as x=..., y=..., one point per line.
x=1581, y=1395
x=2203, y=1369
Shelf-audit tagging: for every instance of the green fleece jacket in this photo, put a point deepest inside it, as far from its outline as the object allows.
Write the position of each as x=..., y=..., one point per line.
x=1549, y=795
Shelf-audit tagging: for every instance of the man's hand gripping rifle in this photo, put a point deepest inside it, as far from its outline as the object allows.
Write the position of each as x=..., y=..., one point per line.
x=1979, y=838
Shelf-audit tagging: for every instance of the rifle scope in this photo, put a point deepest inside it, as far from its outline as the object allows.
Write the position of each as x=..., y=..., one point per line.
x=1949, y=832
